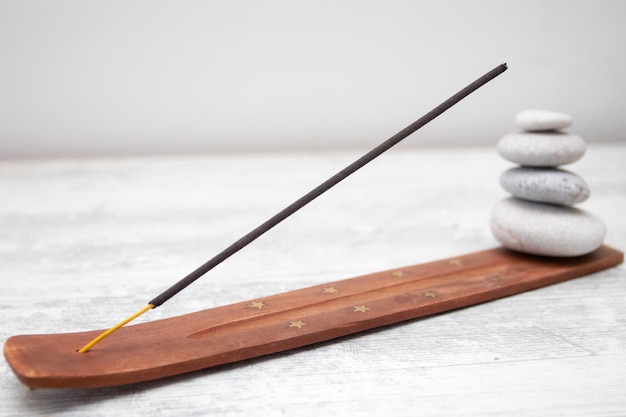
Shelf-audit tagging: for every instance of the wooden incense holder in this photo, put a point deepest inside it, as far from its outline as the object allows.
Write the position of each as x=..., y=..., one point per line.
x=285, y=321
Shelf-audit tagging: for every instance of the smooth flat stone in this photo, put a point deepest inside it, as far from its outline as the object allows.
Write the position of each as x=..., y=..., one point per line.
x=545, y=185
x=536, y=120
x=546, y=229
x=547, y=149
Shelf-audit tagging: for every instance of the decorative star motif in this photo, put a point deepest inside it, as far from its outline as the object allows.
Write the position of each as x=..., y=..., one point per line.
x=430, y=294
x=454, y=262
x=330, y=290
x=297, y=324
x=360, y=309
x=398, y=274
x=257, y=304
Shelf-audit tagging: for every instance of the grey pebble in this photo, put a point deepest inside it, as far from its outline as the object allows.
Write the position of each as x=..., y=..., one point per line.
x=546, y=229
x=536, y=120
x=547, y=149
x=545, y=185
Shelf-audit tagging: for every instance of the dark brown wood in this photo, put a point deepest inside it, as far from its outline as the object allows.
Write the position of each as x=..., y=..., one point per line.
x=285, y=321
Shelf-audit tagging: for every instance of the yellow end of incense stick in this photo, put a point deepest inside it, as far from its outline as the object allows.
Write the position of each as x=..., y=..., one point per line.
x=114, y=328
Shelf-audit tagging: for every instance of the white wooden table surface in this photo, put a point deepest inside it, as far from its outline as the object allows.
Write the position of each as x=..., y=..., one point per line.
x=85, y=243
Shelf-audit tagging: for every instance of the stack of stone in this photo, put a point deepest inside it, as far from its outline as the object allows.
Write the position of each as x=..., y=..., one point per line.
x=539, y=217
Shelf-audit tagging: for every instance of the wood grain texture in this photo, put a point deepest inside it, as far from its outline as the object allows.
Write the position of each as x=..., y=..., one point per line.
x=85, y=242
x=290, y=320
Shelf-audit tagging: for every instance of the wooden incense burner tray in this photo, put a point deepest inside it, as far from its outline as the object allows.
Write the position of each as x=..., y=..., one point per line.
x=285, y=321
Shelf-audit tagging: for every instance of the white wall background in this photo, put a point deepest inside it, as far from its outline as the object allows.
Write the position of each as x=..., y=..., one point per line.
x=88, y=78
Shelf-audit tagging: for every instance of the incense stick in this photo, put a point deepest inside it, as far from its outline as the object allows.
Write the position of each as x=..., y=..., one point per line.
x=304, y=200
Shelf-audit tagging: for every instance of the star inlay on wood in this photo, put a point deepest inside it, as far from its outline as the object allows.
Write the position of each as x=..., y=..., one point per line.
x=330, y=290
x=455, y=262
x=297, y=324
x=257, y=304
x=430, y=294
x=360, y=309
x=398, y=274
